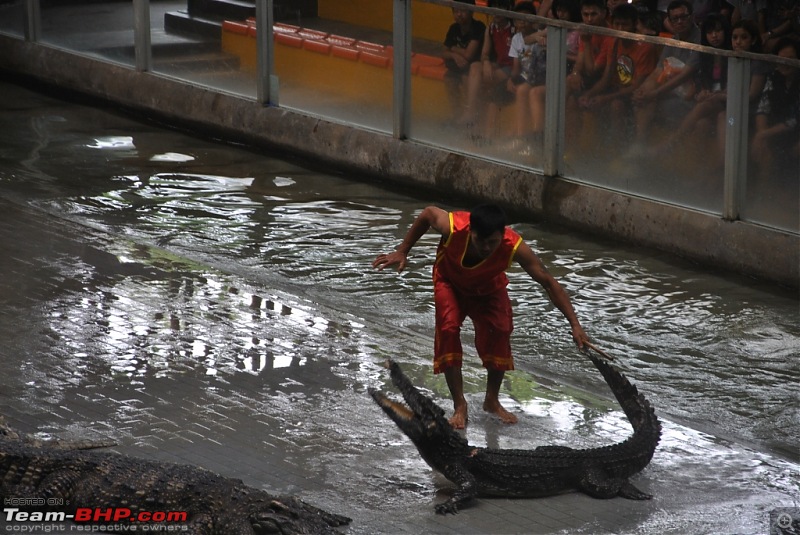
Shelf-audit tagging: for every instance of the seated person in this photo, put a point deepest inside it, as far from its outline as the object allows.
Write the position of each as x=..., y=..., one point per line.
x=589, y=64
x=486, y=86
x=462, y=46
x=669, y=90
x=527, y=74
x=591, y=60
x=780, y=20
x=778, y=114
x=627, y=66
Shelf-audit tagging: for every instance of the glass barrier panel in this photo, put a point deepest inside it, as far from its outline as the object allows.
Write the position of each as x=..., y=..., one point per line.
x=656, y=143
x=335, y=60
x=12, y=17
x=772, y=192
x=211, y=44
x=471, y=106
x=100, y=29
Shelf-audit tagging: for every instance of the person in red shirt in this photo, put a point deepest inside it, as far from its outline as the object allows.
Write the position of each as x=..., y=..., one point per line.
x=589, y=65
x=475, y=250
x=628, y=64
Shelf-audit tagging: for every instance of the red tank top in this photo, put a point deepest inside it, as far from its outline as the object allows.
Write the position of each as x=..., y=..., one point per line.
x=483, y=278
x=501, y=43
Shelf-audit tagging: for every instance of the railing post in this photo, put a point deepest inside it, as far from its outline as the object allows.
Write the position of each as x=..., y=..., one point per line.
x=736, y=142
x=33, y=20
x=401, y=74
x=266, y=82
x=554, y=100
x=141, y=35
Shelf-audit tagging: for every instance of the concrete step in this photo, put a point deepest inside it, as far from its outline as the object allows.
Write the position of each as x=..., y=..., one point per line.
x=183, y=23
x=221, y=9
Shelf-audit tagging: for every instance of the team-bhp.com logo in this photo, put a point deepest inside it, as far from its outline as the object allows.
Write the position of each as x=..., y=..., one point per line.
x=97, y=519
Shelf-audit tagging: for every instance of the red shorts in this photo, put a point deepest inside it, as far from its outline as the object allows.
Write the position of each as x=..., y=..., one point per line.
x=491, y=316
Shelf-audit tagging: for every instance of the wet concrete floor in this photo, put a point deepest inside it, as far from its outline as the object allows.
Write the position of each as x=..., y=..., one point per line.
x=155, y=291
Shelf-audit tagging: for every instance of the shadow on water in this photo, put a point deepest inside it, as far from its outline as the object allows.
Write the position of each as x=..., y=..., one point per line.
x=127, y=320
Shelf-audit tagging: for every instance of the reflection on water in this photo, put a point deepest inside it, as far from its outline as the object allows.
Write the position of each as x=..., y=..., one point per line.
x=712, y=350
x=715, y=352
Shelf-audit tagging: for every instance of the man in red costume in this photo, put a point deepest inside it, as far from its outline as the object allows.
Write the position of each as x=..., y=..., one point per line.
x=469, y=279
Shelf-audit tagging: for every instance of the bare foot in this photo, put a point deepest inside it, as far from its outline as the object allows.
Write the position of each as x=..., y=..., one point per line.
x=459, y=418
x=498, y=410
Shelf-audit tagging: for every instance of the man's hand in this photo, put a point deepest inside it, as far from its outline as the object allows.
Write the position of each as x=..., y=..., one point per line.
x=390, y=259
x=580, y=337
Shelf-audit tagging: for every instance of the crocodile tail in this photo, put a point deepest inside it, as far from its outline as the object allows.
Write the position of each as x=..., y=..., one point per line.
x=642, y=416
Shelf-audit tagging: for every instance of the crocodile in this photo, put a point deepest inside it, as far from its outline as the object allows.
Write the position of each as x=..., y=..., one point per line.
x=68, y=475
x=548, y=470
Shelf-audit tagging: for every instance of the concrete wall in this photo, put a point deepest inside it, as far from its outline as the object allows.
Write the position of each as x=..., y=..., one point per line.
x=736, y=246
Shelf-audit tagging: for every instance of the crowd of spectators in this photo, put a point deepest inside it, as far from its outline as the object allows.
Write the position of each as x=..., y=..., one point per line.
x=652, y=97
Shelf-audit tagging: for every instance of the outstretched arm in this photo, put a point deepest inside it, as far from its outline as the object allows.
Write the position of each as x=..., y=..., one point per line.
x=528, y=260
x=430, y=217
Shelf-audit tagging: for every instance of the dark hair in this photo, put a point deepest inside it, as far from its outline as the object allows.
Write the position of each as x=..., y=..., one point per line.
x=525, y=7
x=786, y=42
x=486, y=219
x=569, y=5
x=705, y=67
x=653, y=20
x=752, y=28
x=675, y=4
x=625, y=12
x=716, y=21
x=501, y=4
x=596, y=3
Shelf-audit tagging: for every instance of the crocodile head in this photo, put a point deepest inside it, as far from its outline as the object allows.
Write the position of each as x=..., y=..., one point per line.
x=423, y=421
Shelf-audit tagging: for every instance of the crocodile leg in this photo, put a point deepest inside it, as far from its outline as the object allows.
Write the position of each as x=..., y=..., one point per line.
x=467, y=490
x=627, y=490
x=596, y=483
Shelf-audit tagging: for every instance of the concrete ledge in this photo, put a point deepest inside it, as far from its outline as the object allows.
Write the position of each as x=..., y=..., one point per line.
x=736, y=246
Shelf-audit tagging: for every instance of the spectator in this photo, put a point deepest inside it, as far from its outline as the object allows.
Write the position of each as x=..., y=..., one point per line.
x=462, y=46
x=611, y=5
x=527, y=76
x=669, y=88
x=491, y=72
x=651, y=23
x=569, y=10
x=628, y=65
x=780, y=21
x=754, y=10
x=590, y=62
x=701, y=9
x=711, y=84
x=646, y=6
x=778, y=114
x=745, y=37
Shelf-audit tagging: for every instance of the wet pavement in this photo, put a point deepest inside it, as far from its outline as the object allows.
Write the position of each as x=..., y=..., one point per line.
x=181, y=362
x=203, y=304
